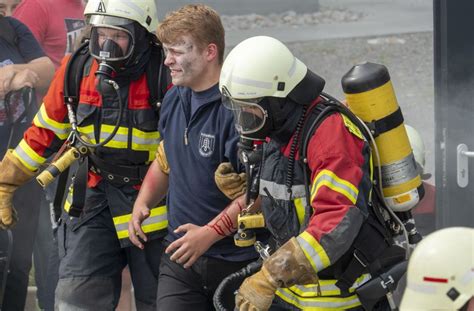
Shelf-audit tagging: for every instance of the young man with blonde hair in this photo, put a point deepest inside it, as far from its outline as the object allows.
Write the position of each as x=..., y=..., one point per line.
x=198, y=135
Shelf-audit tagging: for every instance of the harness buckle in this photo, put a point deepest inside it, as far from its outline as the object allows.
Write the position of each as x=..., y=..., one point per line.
x=359, y=257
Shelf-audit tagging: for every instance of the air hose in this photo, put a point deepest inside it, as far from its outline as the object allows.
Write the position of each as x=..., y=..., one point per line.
x=231, y=282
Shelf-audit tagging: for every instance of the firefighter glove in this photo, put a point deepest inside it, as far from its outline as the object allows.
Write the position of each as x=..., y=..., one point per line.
x=14, y=174
x=161, y=158
x=229, y=182
x=288, y=266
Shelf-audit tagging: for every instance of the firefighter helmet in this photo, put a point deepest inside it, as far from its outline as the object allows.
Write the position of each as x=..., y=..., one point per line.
x=441, y=271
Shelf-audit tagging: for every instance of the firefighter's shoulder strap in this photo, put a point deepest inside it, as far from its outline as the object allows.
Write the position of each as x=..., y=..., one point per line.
x=7, y=32
x=158, y=76
x=373, y=247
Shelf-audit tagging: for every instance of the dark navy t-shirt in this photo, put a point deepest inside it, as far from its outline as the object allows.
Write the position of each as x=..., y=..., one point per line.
x=26, y=50
x=199, y=134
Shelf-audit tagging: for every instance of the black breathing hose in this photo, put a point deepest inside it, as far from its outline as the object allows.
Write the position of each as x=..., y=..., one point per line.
x=231, y=279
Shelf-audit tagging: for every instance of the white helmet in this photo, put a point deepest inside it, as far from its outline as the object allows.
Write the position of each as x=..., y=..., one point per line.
x=141, y=11
x=259, y=67
x=417, y=145
x=441, y=271
x=263, y=69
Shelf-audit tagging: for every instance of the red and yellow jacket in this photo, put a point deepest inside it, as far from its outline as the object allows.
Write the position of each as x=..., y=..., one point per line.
x=340, y=166
x=134, y=144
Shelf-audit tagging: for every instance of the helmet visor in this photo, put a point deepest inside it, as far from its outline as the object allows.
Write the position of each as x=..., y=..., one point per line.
x=110, y=43
x=249, y=115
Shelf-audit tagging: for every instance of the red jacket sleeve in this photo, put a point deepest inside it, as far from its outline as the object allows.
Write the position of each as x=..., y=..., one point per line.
x=50, y=126
x=339, y=160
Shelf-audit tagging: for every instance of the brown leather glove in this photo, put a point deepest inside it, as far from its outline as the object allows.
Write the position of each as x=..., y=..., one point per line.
x=288, y=266
x=161, y=158
x=13, y=174
x=229, y=182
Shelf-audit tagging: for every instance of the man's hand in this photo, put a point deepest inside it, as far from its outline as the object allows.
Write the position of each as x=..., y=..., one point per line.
x=195, y=242
x=135, y=232
x=25, y=77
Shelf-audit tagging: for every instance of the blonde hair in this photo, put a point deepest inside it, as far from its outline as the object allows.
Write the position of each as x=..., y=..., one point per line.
x=199, y=21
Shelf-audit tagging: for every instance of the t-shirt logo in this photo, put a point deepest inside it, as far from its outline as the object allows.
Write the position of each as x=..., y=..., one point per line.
x=101, y=8
x=206, y=144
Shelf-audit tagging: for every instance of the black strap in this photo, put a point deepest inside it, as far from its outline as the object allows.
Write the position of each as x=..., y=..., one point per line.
x=133, y=174
x=387, y=123
x=74, y=73
x=371, y=251
x=80, y=187
x=59, y=194
x=158, y=76
x=7, y=32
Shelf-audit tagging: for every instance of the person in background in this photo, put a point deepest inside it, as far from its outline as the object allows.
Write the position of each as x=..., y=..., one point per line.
x=56, y=24
x=22, y=64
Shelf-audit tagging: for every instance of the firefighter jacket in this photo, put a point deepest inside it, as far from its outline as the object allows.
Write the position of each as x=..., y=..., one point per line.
x=339, y=163
x=133, y=146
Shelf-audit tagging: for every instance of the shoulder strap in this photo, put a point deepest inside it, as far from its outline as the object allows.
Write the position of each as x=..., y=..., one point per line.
x=7, y=32
x=74, y=73
x=158, y=77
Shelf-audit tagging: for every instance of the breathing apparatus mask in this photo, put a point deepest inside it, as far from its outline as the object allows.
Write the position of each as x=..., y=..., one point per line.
x=113, y=43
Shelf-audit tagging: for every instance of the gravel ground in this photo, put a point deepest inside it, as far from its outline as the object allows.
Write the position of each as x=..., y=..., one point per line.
x=289, y=19
x=409, y=59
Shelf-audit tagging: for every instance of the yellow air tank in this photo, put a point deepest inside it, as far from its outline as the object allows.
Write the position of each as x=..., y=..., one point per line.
x=370, y=95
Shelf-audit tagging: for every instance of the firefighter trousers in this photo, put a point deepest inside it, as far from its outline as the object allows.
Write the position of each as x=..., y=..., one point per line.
x=92, y=260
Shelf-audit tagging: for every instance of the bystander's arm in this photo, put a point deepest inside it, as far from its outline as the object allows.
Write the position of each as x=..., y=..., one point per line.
x=42, y=68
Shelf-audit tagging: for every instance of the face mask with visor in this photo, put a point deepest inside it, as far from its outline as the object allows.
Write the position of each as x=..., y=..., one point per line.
x=250, y=116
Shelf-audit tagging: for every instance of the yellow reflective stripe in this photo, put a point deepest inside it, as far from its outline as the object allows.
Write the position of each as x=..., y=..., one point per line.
x=145, y=135
x=313, y=251
x=300, y=209
x=352, y=127
x=68, y=201
x=27, y=156
x=141, y=141
x=318, y=303
x=333, y=182
x=145, y=141
x=42, y=120
x=326, y=287
x=155, y=222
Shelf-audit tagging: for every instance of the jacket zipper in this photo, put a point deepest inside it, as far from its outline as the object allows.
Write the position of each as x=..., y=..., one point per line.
x=186, y=136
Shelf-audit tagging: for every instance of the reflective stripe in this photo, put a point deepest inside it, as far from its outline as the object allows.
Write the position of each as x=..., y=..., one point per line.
x=279, y=192
x=157, y=221
x=141, y=141
x=318, y=303
x=300, y=209
x=27, y=156
x=313, y=251
x=292, y=70
x=42, y=120
x=145, y=141
x=254, y=83
x=327, y=287
x=68, y=201
x=333, y=182
x=352, y=127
